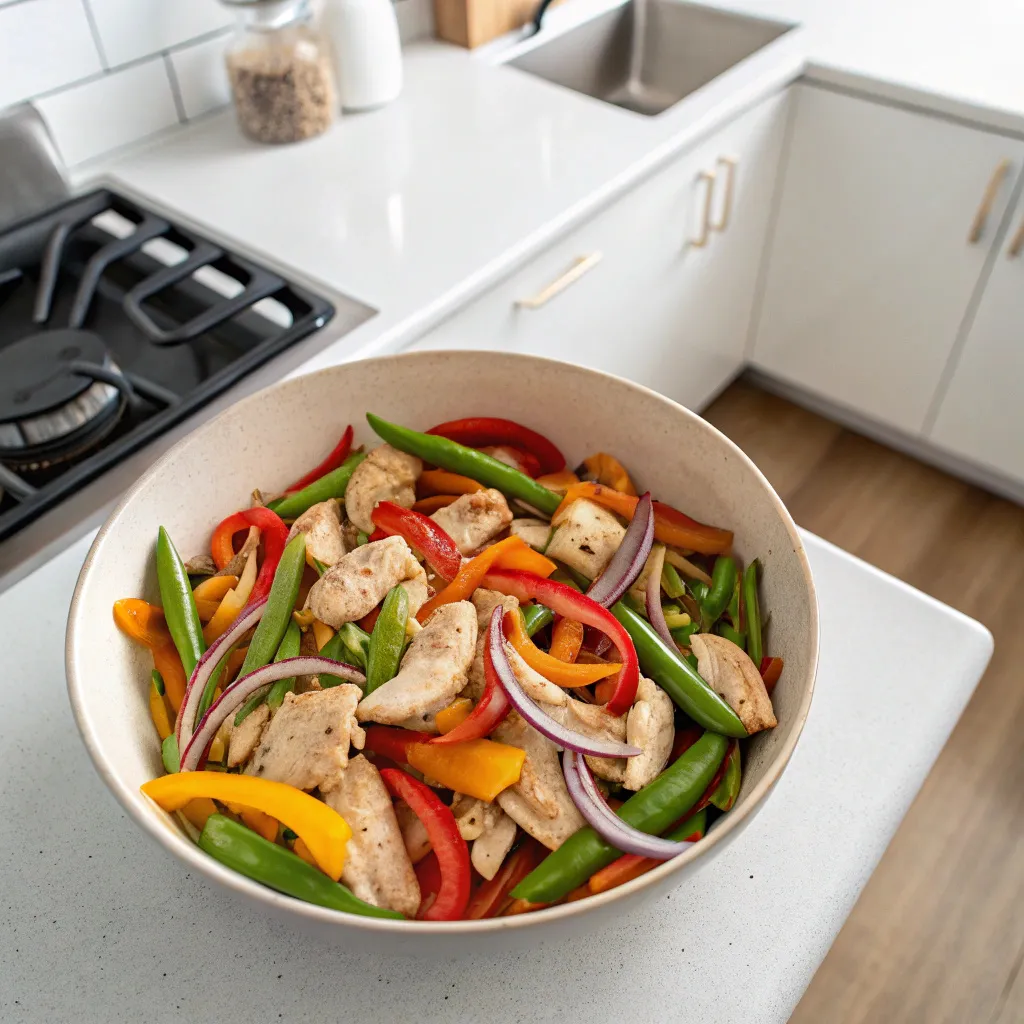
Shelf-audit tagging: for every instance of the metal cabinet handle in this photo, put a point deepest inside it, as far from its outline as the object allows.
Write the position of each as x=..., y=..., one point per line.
x=708, y=177
x=1017, y=244
x=580, y=266
x=987, y=200
x=729, y=163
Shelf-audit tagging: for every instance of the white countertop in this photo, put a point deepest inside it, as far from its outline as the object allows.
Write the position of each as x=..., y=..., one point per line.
x=98, y=924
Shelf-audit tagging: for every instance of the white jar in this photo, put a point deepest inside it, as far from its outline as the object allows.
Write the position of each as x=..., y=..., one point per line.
x=367, y=51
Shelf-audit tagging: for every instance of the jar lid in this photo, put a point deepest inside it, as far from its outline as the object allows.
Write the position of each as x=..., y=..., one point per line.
x=270, y=13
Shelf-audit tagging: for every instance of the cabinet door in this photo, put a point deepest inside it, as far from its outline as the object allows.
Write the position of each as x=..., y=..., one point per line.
x=981, y=416
x=640, y=299
x=885, y=223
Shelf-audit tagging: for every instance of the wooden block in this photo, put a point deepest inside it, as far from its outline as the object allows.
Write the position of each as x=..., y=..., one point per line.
x=472, y=23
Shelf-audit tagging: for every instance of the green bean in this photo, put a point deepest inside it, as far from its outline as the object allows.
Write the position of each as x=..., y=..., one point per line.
x=738, y=638
x=289, y=647
x=330, y=485
x=170, y=756
x=723, y=583
x=536, y=617
x=671, y=582
x=158, y=682
x=387, y=639
x=752, y=606
x=178, y=603
x=350, y=644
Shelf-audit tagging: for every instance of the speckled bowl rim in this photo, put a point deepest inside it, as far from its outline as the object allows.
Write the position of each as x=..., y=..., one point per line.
x=181, y=846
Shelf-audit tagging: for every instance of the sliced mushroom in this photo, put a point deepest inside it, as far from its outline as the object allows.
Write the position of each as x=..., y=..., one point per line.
x=729, y=671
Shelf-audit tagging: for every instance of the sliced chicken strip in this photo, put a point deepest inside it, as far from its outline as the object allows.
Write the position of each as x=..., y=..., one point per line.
x=728, y=670
x=307, y=741
x=474, y=817
x=593, y=721
x=490, y=849
x=474, y=519
x=536, y=686
x=321, y=523
x=539, y=802
x=485, y=601
x=586, y=538
x=245, y=738
x=534, y=532
x=650, y=725
x=386, y=474
x=414, y=832
x=361, y=580
x=378, y=868
x=432, y=672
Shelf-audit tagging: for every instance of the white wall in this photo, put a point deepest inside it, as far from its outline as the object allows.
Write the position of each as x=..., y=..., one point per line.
x=106, y=73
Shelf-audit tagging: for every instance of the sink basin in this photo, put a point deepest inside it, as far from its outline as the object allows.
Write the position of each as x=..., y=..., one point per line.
x=647, y=55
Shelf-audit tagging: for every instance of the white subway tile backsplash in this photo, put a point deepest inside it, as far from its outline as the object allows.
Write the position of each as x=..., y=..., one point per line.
x=202, y=77
x=130, y=29
x=111, y=111
x=44, y=44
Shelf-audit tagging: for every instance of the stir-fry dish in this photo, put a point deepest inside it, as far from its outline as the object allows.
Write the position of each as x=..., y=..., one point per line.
x=448, y=678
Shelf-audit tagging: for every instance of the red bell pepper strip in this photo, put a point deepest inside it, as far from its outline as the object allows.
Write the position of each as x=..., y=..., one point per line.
x=445, y=840
x=378, y=534
x=771, y=669
x=489, y=712
x=338, y=455
x=714, y=783
x=685, y=738
x=423, y=535
x=571, y=604
x=275, y=536
x=483, y=431
x=428, y=874
x=493, y=896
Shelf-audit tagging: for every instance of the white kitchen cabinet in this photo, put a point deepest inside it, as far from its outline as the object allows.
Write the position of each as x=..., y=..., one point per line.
x=639, y=290
x=981, y=415
x=885, y=221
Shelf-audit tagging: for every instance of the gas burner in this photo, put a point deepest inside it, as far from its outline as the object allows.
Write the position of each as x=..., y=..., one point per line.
x=60, y=395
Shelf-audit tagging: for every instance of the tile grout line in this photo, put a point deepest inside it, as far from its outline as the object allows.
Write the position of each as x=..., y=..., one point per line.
x=97, y=40
x=172, y=75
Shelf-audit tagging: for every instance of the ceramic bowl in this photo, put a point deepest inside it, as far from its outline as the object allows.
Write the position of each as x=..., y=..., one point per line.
x=270, y=438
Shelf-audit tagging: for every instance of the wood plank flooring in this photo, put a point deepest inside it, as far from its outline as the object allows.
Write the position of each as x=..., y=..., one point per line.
x=937, y=937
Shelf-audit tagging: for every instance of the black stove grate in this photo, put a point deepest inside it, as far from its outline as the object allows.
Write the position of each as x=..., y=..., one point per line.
x=181, y=319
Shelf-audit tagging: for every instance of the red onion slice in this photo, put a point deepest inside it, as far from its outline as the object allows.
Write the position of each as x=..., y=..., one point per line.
x=605, y=822
x=238, y=693
x=207, y=665
x=653, y=601
x=531, y=713
x=628, y=562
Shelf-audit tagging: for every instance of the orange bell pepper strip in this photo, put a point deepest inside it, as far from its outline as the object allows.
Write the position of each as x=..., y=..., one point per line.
x=427, y=506
x=455, y=714
x=440, y=481
x=558, y=672
x=771, y=669
x=566, y=640
x=232, y=603
x=262, y=824
x=145, y=624
x=670, y=525
x=158, y=711
x=321, y=633
x=323, y=830
x=559, y=482
x=603, y=468
x=197, y=811
x=209, y=594
x=510, y=553
x=480, y=768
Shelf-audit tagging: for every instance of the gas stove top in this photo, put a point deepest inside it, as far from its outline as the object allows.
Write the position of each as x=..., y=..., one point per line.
x=116, y=324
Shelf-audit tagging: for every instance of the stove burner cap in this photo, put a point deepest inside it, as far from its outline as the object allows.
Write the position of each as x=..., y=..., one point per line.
x=34, y=378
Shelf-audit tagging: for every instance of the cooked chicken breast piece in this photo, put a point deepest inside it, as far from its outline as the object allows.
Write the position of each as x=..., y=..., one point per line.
x=377, y=865
x=474, y=519
x=729, y=671
x=536, y=686
x=534, y=532
x=361, y=580
x=414, y=832
x=386, y=474
x=650, y=725
x=485, y=601
x=593, y=721
x=432, y=672
x=306, y=743
x=321, y=523
x=586, y=538
x=539, y=802
x=491, y=848
x=246, y=737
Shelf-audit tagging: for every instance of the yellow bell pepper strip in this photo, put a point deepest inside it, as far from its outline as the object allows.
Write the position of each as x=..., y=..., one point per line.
x=440, y=481
x=480, y=768
x=510, y=553
x=566, y=640
x=321, y=633
x=559, y=482
x=455, y=714
x=158, y=710
x=145, y=624
x=671, y=526
x=209, y=594
x=232, y=602
x=324, y=831
x=603, y=468
x=559, y=672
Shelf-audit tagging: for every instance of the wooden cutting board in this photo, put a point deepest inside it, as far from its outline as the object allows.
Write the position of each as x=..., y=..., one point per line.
x=474, y=22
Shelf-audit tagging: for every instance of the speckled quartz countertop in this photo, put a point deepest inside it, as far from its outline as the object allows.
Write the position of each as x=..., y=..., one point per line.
x=99, y=925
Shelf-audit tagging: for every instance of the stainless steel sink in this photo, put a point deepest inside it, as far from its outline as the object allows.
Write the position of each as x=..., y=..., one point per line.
x=647, y=55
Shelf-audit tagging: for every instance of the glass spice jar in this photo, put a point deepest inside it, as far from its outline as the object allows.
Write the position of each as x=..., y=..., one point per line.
x=280, y=68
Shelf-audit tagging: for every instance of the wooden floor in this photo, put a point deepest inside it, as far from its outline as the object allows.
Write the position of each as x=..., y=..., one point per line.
x=938, y=935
